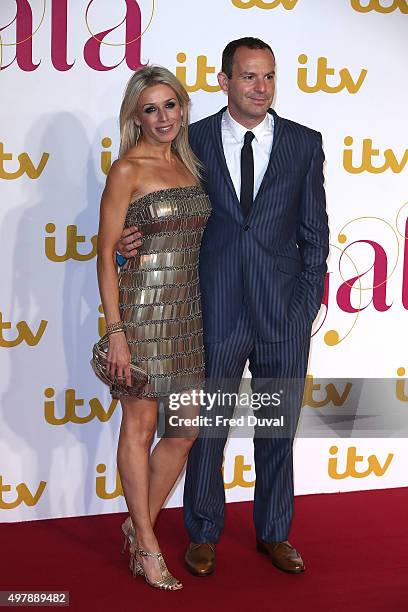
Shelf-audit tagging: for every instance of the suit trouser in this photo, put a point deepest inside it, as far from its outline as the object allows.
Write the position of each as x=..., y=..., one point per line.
x=204, y=495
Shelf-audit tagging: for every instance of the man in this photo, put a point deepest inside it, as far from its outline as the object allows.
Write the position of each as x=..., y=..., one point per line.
x=262, y=268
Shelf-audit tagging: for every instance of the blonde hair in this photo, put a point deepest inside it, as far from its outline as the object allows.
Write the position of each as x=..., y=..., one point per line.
x=149, y=76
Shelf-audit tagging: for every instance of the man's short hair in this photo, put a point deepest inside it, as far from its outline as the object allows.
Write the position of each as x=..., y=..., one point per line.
x=229, y=51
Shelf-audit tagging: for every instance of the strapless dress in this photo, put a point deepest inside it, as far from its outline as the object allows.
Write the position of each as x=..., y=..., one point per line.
x=159, y=291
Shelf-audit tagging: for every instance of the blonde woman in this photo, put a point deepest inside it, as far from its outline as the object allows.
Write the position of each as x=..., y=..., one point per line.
x=152, y=309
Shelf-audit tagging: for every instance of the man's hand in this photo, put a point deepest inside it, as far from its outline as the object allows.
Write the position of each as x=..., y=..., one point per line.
x=129, y=242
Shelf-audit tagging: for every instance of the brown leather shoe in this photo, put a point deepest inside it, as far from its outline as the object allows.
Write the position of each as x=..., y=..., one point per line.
x=200, y=558
x=282, y=555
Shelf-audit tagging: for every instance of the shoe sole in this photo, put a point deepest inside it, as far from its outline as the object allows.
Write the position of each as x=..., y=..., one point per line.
x=199, y=574
x=263, y=551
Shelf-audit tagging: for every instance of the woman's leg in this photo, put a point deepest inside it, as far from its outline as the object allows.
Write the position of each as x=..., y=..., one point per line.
x=169, y=456
x=139, y=418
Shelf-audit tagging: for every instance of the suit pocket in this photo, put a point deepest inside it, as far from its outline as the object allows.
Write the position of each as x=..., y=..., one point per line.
x=290, y=266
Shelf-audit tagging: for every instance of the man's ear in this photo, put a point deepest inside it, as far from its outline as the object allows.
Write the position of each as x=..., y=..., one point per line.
x=223, y=81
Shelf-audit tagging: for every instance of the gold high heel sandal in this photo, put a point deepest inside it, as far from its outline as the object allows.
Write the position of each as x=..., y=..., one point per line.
x=129, y=533
x=167, y=582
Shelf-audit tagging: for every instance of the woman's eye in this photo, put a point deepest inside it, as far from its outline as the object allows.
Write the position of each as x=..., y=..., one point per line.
x=170, y=104
x=150, y=109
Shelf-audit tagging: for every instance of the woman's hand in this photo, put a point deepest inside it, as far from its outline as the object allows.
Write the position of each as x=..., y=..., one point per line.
x=119, y=359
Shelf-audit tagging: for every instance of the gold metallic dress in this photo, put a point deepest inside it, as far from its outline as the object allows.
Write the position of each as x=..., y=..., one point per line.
x=159, y=291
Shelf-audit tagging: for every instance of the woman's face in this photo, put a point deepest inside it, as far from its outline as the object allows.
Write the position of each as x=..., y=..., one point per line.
x=159, y=114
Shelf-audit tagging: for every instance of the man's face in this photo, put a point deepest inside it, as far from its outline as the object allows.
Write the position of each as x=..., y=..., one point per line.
x=252, y=85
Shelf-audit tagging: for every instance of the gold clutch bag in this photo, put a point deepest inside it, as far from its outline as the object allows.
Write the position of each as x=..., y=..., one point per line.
x=99, y=363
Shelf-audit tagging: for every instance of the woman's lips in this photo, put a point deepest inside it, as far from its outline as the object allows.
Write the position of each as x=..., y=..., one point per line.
x=165, y=129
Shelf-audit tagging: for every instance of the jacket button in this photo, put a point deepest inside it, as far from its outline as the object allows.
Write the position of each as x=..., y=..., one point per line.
x=246, y=228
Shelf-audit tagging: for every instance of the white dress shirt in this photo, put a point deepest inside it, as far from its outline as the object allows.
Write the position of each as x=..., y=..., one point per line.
x=232, y=134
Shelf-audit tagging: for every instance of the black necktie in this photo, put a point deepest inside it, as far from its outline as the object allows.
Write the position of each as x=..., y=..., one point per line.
x=247, y=173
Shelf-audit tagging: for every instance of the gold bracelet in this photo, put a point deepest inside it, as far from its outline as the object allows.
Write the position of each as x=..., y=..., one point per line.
x=114, y=326
x=115, y=331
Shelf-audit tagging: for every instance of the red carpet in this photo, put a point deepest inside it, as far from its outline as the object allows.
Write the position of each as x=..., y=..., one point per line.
x=354, y=545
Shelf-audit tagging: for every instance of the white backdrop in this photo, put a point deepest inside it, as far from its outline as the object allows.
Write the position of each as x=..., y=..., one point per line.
x=341, y=69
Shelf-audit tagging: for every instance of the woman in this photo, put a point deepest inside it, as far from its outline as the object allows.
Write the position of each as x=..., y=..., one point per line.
x=152, y=311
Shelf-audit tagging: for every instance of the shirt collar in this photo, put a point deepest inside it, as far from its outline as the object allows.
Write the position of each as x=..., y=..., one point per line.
x=238, y=131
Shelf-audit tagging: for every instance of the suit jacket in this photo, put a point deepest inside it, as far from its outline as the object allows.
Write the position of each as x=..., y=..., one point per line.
x=275, y=258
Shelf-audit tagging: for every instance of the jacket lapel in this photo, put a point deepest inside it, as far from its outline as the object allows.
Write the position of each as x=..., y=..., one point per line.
x=219, y=150
x=276, y=159
x=276, y=154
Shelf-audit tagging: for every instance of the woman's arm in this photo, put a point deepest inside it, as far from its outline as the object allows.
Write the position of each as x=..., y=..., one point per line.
x=114, y=204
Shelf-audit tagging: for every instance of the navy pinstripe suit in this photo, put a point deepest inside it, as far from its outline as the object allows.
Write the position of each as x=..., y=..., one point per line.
x=261, y=283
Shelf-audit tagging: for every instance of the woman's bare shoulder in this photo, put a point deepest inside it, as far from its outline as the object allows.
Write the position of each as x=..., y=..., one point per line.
x=126, y=173
x=122, y=168
x=145, y=172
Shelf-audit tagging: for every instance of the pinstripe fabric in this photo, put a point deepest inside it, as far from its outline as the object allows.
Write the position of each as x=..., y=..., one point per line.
x=276, y=256
x=204, y=497
x=261, y=281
